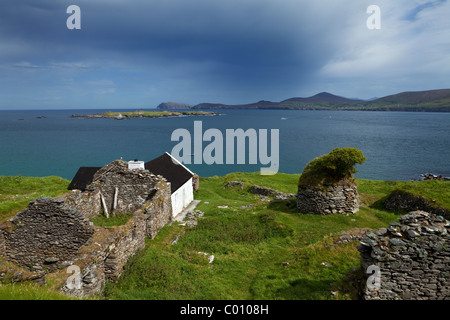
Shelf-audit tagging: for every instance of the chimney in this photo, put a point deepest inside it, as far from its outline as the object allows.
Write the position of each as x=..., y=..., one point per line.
x=136, y=164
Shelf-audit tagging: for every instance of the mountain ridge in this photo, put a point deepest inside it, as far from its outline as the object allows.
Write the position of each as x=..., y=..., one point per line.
x=428, y=100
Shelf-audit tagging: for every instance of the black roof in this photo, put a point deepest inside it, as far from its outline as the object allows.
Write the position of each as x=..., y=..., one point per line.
x=165, y=165
x=83, y=178
x=171, y=169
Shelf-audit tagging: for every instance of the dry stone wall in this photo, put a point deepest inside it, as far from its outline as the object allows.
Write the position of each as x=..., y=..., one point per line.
x=88, y=203
x=106, y=255
x=159, y=210
x=413, y=257
x=45, y=234
x=339, y=199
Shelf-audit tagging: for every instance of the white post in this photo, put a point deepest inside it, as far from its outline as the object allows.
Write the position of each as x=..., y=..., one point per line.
x=116, y=193
x=104, y=205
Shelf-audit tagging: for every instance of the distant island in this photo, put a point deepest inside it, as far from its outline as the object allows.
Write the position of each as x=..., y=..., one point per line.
x=144, y=114
x=173, y=106
x=418, y=101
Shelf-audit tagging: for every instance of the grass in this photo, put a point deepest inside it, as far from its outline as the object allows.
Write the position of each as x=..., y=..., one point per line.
x=17, y=191
x=267, y=251
x=10, y=289
x=437, y=191
x=29, y=291
x=262, y=250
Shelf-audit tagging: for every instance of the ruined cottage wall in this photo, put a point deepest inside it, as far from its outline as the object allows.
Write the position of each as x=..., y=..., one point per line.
x=413, y=257
x=88, y=203
x=124, y=191
x=46, y=233
x=105, y=257
x=55, y=233
x=337, y=199
x=158, y=211
x=128, y=239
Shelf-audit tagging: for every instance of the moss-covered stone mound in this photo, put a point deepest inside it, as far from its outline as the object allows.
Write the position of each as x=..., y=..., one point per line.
x=327, y=185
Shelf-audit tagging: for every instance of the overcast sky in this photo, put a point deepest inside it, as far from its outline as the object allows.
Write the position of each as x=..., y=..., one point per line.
x=139, y=53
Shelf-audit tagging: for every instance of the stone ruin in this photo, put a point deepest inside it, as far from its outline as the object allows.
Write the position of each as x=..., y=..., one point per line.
x=327, y=184
x=52, y=234
x=412, y=256
x=336, y=199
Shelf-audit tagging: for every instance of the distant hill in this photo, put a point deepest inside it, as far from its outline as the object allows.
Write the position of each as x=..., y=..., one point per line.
x=257, y=105
x=320, y=100
x=431, y=100
x=173, y=106
x=323, y=100
x=416, y=97
x=323, y=97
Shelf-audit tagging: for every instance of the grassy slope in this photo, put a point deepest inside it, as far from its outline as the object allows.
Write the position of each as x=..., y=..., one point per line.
x=251, y=245
x=17, y=191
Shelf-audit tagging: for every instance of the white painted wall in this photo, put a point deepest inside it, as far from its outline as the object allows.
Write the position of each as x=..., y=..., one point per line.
x=182, y=197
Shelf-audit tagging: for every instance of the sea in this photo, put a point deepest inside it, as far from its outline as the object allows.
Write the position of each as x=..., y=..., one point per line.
x=397, y=145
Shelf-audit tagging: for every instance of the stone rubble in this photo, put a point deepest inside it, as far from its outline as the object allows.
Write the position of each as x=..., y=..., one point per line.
x=267, y=192
x=230, y=184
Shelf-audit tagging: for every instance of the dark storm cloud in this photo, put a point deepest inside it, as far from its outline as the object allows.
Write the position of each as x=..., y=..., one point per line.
x=217, y=51
x=240, y=42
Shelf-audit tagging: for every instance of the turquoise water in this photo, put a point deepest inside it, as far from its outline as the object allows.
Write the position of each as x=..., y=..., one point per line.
x=397, y=145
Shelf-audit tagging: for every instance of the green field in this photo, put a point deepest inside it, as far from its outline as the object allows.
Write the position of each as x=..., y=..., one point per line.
x=262, y=250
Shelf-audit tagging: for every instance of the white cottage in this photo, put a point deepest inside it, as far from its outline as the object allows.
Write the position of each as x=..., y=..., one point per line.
x=180, y=178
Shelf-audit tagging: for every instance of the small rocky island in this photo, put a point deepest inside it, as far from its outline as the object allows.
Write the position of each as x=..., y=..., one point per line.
x=145, y=114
